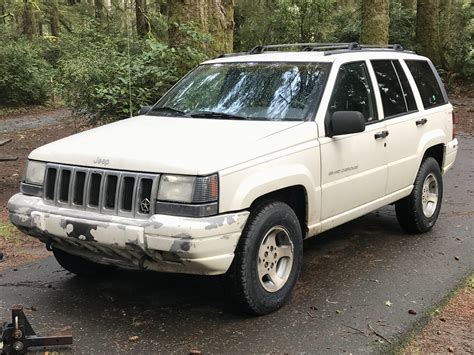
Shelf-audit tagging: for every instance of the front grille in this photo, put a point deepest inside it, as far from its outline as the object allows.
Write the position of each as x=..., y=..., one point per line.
x=112, y=192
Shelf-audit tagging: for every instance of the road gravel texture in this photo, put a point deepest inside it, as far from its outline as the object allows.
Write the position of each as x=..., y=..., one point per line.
x=358, y=283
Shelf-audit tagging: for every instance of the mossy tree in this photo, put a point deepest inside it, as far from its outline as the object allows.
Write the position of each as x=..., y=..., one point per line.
x=409, y=4
x=213, y=17
x=53, y=16
x=143, y=25
x=375, y=22
x=30, y=27
x=427, y=29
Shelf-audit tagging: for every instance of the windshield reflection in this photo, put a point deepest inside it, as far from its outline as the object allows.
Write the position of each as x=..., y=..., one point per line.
x=254, y=91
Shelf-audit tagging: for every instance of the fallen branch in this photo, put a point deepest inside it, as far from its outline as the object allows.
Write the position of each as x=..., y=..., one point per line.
x=353, y=328
x=8, y=158
x=5, y=141
x=378, y=334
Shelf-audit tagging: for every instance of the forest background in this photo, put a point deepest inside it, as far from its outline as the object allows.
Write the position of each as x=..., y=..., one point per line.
x=106, y=58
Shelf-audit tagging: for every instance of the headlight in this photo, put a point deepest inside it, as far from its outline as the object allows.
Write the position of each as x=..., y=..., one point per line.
x=189, y=196
x=188, y=189
x=34, y=172
x=176, y=188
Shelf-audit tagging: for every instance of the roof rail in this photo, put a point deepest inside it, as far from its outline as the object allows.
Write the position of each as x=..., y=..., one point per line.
x=327, y=48
x=304, y=46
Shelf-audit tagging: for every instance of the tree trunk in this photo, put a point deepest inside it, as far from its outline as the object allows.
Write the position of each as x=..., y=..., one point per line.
x=2, y=12
x=39, y=23
x=409, y=4
x=427, y=27
x=214, y=17
x=29, y=20
x=142, y=22
x=445, y=14
x=54, y=17
x=99, y=9
x=375, y=22
x=340, y=4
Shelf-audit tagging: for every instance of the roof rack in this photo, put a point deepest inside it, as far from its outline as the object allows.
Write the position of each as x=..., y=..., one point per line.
x=324, y=47
x=327, y=48
x=305, y=47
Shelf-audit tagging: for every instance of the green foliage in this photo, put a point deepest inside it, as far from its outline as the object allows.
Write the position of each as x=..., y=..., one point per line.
x=283, y=21
x=457, y=46
x=25, y=76
x=98, y=81
x=402, y=25
x=92, y=62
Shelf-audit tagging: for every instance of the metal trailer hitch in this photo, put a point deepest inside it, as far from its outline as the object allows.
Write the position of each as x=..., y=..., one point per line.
x=18, y=336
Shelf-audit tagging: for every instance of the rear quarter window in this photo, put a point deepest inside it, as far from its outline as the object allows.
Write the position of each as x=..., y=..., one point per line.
x=427, y=83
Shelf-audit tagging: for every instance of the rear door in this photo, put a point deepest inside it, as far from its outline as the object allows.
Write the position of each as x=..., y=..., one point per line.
x=400, y=113
x=353, y=166
x=412, y=100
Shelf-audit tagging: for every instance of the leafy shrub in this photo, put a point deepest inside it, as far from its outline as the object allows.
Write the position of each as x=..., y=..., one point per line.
x=402, y=25
x=104, y=79
x=457, y=46
x=25, y=77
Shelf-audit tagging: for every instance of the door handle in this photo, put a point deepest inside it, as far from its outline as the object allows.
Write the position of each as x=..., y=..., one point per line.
x=380, y=135
x=421, y=122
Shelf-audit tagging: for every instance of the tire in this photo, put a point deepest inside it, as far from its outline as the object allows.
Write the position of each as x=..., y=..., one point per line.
x=272, y=228
x=418, y=212
x=80, y=266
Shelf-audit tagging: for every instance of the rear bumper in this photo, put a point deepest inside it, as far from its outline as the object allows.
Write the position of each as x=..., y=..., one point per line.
x=160, y=243
x=450, y=152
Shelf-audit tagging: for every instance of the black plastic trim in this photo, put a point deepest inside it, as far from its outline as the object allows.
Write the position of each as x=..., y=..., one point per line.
x=186, y=210
x=32, y=190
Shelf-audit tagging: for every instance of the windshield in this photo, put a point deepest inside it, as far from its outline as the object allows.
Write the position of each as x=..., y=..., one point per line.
x=253, y=91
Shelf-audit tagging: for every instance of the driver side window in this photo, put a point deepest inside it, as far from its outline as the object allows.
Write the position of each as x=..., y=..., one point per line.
x=353, y=91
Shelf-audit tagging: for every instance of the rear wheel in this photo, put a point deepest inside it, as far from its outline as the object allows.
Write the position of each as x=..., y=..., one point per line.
x=418, y=212
x=80, y=266
x=268, y=259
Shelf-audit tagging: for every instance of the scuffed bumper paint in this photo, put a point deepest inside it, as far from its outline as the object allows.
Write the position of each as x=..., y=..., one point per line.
x=160, y=243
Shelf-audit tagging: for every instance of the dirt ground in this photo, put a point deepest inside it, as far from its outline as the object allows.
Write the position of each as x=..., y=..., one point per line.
x=15, y=247
x=451, y=330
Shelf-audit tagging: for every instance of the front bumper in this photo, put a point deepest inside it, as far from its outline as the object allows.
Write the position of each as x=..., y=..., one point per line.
x=160, y=243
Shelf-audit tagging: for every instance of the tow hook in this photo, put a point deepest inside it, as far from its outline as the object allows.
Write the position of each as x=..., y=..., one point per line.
x=18, y=336
x=48, y=245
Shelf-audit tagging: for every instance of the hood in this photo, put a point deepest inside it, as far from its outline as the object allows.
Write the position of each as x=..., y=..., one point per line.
x=171, y=144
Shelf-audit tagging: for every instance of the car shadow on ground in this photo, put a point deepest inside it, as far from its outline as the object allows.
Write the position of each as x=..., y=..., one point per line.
x=326, y=255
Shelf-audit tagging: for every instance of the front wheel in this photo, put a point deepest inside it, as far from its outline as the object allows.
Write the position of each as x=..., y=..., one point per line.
x=268, y=259
x=418, y=212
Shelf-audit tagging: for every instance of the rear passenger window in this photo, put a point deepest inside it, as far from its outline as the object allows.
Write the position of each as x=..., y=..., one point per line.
x=407, y=92
x=427, y=83
x=397, y=96
x=353, y=91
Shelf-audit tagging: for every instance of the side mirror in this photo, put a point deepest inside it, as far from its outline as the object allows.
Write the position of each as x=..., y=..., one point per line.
x=144, y=110
x=347, y=122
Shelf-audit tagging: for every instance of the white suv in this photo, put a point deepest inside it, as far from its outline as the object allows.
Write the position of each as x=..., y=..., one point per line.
x=241, y=160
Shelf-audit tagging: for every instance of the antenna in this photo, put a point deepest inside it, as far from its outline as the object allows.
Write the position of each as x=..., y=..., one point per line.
x=127, y=25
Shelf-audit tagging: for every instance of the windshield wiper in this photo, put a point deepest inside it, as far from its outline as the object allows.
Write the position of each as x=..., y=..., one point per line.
x=215, y=114
x=169, y=109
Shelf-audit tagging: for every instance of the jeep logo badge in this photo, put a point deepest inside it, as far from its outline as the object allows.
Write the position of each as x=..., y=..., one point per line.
x=101, y=161
x=145, y=205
